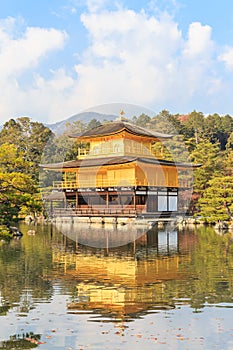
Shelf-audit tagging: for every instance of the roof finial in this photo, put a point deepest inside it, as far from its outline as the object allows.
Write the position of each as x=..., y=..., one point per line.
x=121, y=116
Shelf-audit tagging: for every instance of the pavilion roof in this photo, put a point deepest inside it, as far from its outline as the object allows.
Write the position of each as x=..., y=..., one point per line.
x=117, y=160
x=116, y=127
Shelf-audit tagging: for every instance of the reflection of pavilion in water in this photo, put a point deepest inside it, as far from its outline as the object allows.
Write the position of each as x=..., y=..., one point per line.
x=128, y=280
x=112, y=236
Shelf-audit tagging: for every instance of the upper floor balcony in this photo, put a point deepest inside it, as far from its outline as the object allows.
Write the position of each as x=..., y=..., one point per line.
x=130, y=182
x=121, y=150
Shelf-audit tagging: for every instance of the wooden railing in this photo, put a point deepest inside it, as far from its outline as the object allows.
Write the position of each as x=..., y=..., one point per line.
x=128, y=212
x=139, y=211
x=98, y=183
x=102, y=152
x=114, y=183
x=65, y=184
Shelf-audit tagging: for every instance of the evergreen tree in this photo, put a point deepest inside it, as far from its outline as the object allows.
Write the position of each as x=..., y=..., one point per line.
x=229, y=144
x=17, y=190
x=29, y=139
x=208, y=155
x=194, y=126
x=217, y=201
x=143, y=120
x=166, y=123
x=93, y=124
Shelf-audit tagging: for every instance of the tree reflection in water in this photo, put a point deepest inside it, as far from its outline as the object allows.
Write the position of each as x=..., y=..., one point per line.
x=21, y=341
x=161, y=270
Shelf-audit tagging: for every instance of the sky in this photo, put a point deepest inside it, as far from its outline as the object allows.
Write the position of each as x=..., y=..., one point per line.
x=61, y=57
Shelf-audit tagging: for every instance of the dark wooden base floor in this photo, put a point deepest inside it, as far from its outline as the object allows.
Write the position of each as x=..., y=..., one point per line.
x=109, y=212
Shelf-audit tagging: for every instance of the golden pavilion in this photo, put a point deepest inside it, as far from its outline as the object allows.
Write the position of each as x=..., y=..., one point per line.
x=118, y=174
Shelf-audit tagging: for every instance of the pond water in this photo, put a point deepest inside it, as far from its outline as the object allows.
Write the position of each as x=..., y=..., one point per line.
x=170, y=289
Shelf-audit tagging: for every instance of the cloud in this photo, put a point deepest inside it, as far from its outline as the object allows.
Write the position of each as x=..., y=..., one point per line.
x=199, y=41
x=162, y=6
x=197, y=61
x=25, y=53
x=131, y=57
x=227, y=57
x=137, y=58
x=96, y=5
x=20, y=53
x=127, y=58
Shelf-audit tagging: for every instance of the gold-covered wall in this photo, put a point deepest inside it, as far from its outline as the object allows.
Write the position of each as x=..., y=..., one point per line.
x=122, y=144
x=129, y=174
x=107, y=176
x=156, y=175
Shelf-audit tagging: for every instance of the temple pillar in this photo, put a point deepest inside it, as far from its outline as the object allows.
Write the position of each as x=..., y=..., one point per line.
x=76, y=204
x=107, y=200
x=134, y=200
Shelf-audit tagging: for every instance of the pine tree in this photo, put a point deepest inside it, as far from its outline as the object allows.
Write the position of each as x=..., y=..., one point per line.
x=217, y=201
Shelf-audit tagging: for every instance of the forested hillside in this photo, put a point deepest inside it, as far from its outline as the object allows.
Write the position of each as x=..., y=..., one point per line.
x=208, y=141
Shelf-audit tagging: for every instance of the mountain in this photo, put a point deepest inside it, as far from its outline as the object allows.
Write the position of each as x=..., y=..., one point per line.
x=84, y=117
